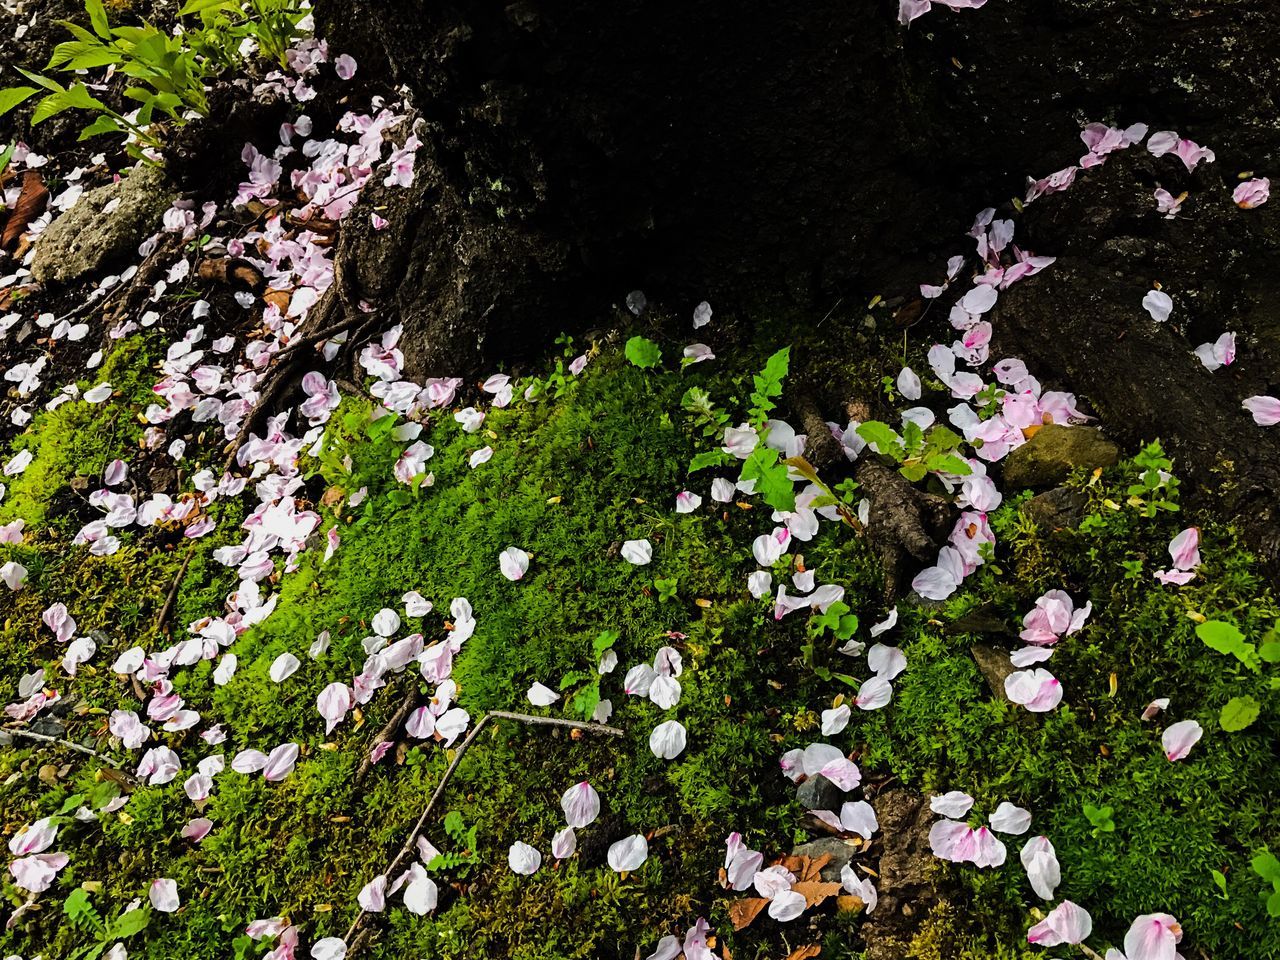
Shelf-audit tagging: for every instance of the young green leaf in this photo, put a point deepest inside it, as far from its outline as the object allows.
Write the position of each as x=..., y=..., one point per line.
x=883, y=438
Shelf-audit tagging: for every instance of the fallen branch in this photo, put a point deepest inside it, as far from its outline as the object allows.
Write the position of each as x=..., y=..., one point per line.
x=409, y=843
x=388, y=731
x=277, y=370
x=173, y=589
x=45, y=738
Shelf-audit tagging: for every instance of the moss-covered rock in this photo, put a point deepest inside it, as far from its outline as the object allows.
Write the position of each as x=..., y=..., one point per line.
x=1054, y=451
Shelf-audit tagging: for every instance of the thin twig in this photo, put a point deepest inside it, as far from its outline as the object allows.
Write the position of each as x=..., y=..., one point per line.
x=448, y=774
x=173, y=589
x=45, y=738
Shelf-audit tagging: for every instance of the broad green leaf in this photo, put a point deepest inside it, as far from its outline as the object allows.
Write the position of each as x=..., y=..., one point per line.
x=13, y=96
x=1265, y=865
x=1221, y=636
x=915, y=472
x=98, y=18
x=1238, y=713
x=948, y=463
x=80, y=55
x=104, y=123
x=199, y=6
x=46, y=82
x=127, y=924
x=643, y=352
x=881, y=436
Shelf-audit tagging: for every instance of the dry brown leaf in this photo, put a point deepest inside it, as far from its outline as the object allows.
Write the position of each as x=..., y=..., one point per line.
x=807, y=952
x=233, y=271
x=31, y=203
x=280, y=298
x=742, y=912
x=815, y=891
x=806, y=868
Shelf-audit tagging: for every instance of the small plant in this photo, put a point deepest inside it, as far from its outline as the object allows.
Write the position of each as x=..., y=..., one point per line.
x=1265, y=865
x=272, y=25
x=916, y=452
x=169, y=73
x=666, y=589
x=1156, y=488
x=842, y=624
x=585, y=700
x=82, y=914
x=763, y=465
x=1100, y=818
x=465, y=837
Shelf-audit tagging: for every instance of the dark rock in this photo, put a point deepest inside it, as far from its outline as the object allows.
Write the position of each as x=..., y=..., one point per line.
x=841, y=851
x=994, y=665
x=1054, y=451
x=819, y=793
x=1059, y=509
x=48, y=727
x=85, y=238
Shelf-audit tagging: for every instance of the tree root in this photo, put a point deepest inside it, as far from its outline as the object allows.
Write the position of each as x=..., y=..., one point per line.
x=903, y=521
x=412, y=839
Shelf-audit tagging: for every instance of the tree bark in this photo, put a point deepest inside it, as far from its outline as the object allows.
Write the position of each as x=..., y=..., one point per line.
x=761, y=154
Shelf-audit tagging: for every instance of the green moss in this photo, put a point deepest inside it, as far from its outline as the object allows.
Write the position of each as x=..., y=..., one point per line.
x=78, y=439
x=596, y=463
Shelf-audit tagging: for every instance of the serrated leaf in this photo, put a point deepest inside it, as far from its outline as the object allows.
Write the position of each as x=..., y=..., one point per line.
x=771, y=479
x=708, y=458
x=643, y=352
x=1238, y=713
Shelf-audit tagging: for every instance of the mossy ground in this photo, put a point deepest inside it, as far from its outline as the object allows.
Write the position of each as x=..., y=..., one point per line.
x=572, y=477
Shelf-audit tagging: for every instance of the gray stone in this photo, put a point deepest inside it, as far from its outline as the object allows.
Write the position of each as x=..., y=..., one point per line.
x=841, y=851
x=1058, y=509
x=84, y=240
x=819, y=793
x=1053, y=452
x=994, y=665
